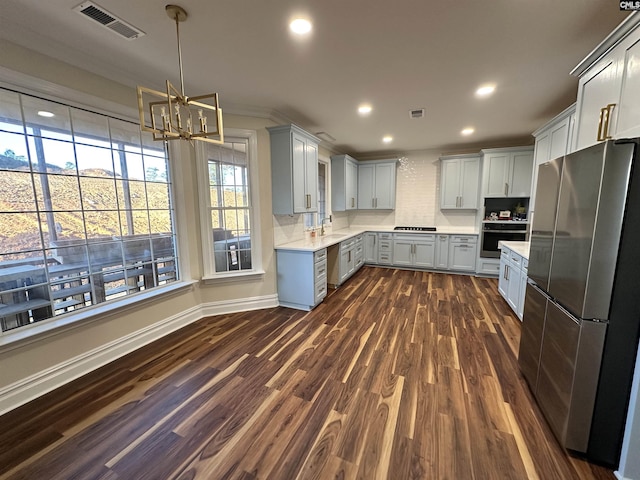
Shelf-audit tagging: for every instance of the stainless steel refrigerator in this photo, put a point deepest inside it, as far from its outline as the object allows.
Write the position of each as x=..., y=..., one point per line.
x=581, y=324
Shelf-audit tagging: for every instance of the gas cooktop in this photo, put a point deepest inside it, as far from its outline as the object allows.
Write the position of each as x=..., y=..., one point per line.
x=417, y=229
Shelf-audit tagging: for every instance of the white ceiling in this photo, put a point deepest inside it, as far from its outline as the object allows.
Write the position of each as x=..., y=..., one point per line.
x=396, y=55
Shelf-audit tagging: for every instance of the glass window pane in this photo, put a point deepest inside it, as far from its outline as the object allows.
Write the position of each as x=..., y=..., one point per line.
x=155, y=169
x=125, y=135
x=128, y=165
x=214, y=173
x=160, y=221
x=136, y=250
x=13, y=152
x=62, y=192
x=216, y=218
x=16, y=192
x=159, y=196
x=216, y=197
x=229, y=197
x=69, y=225
x=163, y=246
x=20, y=232
x=99, y=224
x=90, y=128
x=10, y=112
x=104, y=253
x=228, y=175
x=51, y=156
x=141, y=222
x=46, y=119
x=231, y=219
x=98, y=193
x=132, y=195
x=94, y=161
x=242, y=199
x=67, y=252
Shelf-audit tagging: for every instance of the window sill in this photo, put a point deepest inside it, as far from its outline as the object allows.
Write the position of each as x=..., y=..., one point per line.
x=222, y=278
x=56, y=325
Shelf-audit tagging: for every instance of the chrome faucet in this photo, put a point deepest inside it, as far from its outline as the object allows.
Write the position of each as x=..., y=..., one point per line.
x=322, y=224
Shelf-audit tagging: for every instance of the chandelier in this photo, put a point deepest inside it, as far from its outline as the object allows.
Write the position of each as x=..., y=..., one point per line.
x=173, y=115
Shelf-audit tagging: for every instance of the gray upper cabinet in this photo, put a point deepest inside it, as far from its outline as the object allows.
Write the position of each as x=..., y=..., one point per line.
x=553, y=140
x=294, y=170
x=459, y=180
x=608, y=104
x=344, y=183
x=507, y=172
x=377, y=185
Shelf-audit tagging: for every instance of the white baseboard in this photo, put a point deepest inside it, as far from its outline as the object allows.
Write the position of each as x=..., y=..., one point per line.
x=240, y=305
x=34, y=386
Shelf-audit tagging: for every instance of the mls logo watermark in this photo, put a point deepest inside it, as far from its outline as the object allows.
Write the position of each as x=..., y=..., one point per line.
x=630, y=5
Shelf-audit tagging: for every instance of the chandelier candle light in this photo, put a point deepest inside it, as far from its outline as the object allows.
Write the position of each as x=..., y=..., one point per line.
x=173, y=115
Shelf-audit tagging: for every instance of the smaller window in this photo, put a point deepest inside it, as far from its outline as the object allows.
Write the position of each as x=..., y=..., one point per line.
x=230, y=224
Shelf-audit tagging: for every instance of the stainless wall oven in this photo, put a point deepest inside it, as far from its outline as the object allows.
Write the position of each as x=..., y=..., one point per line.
x=496, y=231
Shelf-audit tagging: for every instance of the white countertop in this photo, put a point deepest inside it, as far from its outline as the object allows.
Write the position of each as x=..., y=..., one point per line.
x=331, y=238
x=521, y=248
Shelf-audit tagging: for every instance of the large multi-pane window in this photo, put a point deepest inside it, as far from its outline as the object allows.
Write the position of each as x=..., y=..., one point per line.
x=85, y=210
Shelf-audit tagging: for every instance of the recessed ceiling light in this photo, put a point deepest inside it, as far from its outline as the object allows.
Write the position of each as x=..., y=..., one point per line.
x=387, y=139
x=44, y=113
x=300, y=26
x=364, y=109
x=485, y=90
x=468, y=131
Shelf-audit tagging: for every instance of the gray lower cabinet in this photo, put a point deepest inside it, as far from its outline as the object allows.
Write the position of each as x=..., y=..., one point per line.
x=302, y=278
x=462, y=252
x=512, y=282
x=414, y=250
x=344, y=259
x=442, y=252
x=370, y=240
x=385, y=248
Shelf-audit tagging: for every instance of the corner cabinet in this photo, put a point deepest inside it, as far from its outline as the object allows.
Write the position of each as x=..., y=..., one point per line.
x=608, y=104
x=506, y=172
x=377, y=185
x=459, y=179
x=553, y=140
x=344, y=183
x=294, y=170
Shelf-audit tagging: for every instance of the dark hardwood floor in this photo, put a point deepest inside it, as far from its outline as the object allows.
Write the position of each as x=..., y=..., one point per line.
x=396, y=375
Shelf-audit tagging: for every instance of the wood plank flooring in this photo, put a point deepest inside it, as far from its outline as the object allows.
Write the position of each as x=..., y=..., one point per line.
x=396, y=375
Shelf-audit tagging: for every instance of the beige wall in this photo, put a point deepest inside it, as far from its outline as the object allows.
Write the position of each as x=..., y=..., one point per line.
x=23, y=361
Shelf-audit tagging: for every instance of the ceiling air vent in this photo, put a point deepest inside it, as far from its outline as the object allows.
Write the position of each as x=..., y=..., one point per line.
x=416, y=113
x=108, y=20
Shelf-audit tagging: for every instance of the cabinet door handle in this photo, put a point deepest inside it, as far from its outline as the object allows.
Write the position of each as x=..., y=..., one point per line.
x=506, y=189
x=506, y=272
x=353, y=202
x=603, y=122
x=308, y=199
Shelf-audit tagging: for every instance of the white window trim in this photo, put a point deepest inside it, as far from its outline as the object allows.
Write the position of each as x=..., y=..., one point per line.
x=257, y=271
